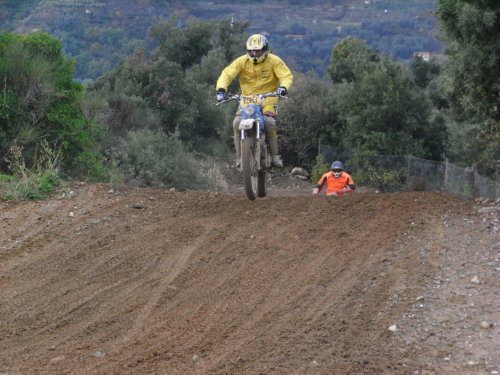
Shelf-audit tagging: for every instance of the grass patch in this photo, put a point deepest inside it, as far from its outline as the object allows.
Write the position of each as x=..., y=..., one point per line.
x=34, y=183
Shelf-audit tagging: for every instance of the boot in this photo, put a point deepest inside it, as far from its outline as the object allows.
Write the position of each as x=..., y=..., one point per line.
x=273, y=148
x=237, y=149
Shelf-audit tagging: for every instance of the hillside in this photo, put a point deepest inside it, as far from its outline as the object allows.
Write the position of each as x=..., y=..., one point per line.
x=136, y=281
x=98, y=34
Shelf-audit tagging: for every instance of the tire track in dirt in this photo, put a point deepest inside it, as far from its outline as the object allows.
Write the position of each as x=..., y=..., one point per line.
x=148, y=281
x=183, y=254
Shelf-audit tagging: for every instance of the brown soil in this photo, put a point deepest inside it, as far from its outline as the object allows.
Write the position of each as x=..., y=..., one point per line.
x=143, y=281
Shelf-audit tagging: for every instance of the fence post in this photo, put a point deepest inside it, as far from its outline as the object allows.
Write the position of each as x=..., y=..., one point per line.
x=408, y=168
x=446, y=173
x=469, y=177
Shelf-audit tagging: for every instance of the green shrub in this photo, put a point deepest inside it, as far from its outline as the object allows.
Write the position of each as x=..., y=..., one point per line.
x=153, y=158
x=33, y=187
x=88, y=165
x=41, y=100
x=33, y=183
x=5, y=178
x=46, y=181
x=319, y=168
x=384, y=181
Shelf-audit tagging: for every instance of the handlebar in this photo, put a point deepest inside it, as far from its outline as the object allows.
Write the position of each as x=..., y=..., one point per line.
x=231, y=97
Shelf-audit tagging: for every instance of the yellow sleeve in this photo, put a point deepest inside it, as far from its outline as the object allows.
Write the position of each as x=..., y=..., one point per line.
x=283, y=73
x=229, y=74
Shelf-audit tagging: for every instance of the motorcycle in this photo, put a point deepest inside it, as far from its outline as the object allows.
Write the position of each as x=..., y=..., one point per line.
x=255, y=157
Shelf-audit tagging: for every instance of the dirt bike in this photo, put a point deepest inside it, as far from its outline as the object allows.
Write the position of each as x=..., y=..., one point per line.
x=255, y=157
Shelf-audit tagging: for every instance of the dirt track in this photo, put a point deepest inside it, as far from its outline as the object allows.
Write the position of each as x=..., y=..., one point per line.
x=162, y=282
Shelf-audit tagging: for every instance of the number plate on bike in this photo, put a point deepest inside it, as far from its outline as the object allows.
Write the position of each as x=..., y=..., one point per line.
x=246, y=100
x=246, y=124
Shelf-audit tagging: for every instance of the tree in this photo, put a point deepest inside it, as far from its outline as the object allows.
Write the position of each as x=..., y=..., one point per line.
x=428, y=76
x=185, y=46
x=381, y=108
x=230, y=36
x=305, y=119
x=209, y=68
x=424, y=71
x=472, y=31
x=350, y=58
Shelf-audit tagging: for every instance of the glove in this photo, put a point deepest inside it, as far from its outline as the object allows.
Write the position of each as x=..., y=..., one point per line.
x=315, y=191
x=282, y=91
x=221, y=95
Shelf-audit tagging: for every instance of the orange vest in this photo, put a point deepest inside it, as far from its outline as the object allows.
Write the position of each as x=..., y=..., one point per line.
x=333, y=184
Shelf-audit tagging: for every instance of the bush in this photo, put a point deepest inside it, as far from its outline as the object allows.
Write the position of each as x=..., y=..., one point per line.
x=6, y=178
x=41, y=100
x=382, y=180
x=319, y=168
x=153, y=158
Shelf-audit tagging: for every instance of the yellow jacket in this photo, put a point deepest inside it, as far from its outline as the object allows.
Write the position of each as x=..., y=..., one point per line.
x=257, y=78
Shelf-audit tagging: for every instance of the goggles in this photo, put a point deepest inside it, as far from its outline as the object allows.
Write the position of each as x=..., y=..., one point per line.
x=255, y=52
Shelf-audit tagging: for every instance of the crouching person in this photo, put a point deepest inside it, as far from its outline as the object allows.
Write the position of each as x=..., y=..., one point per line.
x=337, y=181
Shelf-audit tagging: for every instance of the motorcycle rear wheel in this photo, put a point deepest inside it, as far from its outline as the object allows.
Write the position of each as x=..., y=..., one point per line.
x=249, y=167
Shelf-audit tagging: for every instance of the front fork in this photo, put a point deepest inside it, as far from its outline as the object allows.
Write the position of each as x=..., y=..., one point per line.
x=244, y=135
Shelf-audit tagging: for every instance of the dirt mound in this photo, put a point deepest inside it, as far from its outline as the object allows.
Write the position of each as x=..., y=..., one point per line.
x=147, y=281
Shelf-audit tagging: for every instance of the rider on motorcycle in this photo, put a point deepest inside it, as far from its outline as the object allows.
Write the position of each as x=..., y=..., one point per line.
x=338, y=182
x=260, y=71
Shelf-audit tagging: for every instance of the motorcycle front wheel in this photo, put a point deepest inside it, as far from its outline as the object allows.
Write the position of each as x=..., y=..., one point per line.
x=249, y=167
x=261, y=178
x=261, y=184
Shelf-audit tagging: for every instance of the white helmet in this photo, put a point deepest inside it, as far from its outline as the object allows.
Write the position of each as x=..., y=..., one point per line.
x=257, y=42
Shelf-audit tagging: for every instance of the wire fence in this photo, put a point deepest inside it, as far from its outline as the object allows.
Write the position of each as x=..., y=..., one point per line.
x=389, y=173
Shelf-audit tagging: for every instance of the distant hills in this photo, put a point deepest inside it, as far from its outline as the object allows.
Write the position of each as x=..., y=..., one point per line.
x=98, y=33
